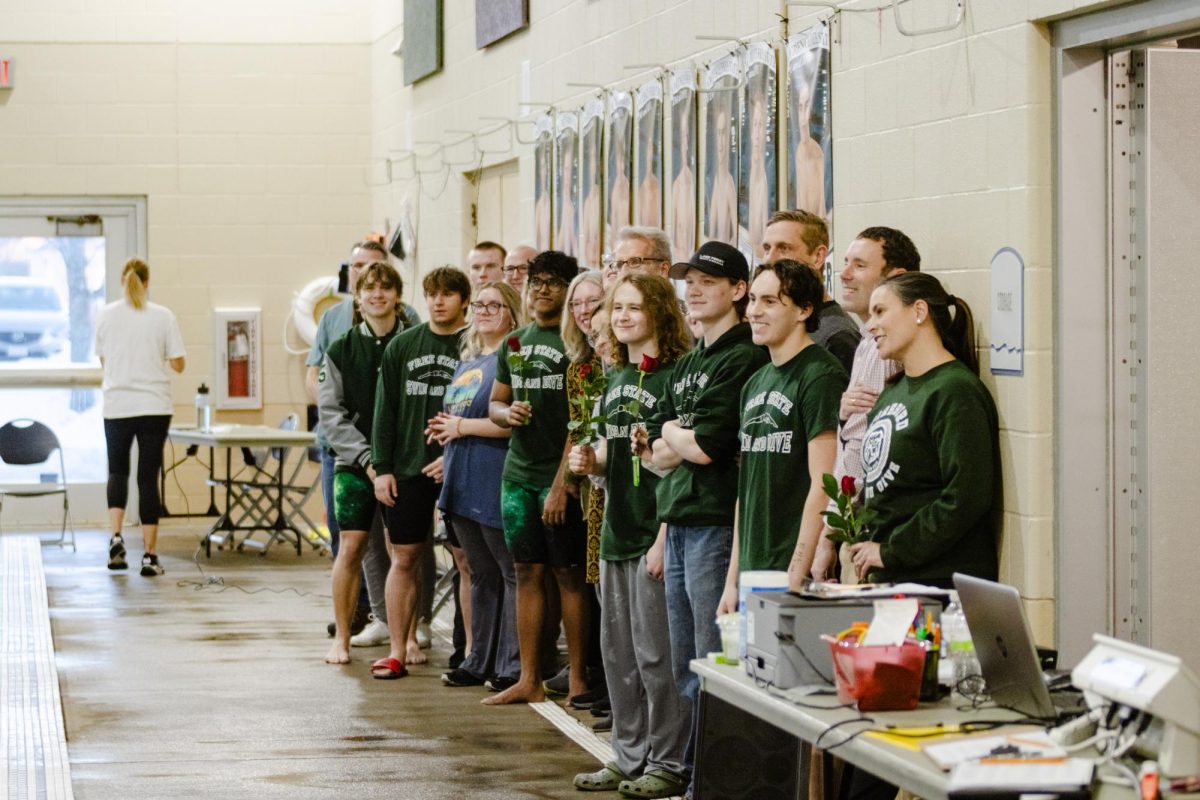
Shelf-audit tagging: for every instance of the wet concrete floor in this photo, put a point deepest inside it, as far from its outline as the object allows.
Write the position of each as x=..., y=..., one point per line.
x=174, y=691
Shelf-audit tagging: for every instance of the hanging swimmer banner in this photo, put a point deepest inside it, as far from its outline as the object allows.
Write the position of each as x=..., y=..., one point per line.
x=591, y=154
x=810, y=142
x=721, y=110
x=566, y=199
x=685, y=202
x=757, y=174
x=1008, y=313
x=543, y=160
x=618, y=208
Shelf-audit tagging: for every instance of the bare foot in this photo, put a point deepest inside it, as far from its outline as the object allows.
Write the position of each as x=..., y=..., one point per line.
x=338, y=654
x=517, y=693
x=413, y=653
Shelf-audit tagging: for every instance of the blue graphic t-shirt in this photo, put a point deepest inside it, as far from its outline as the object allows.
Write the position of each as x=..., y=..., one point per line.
x=473, y=464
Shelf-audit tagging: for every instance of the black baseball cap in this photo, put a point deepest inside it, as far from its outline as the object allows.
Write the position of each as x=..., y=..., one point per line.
x=715, y=258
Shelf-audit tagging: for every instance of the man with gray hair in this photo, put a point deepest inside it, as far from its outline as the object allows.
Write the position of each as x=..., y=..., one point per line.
x=642, y=249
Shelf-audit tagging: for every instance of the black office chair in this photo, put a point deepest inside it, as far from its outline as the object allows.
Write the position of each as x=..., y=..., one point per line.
x=26, y=442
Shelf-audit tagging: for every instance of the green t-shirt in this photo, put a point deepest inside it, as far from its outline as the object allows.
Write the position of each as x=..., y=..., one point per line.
x=630, y=513
x=931, y=460
x=798, y=399
x=704, y=390
x=417, y=366
x=536, y=449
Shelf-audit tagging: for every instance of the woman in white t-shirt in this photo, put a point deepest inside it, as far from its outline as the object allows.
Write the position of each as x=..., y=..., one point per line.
x=138, y=342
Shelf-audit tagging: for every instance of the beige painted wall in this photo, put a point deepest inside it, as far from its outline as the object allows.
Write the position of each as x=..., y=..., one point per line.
x=246, y=125
x=947, y=136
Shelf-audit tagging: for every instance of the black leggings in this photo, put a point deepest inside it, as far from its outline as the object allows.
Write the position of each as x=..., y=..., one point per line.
x=151, y=434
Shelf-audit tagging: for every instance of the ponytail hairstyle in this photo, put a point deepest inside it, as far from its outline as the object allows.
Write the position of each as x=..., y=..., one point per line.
x=957, y=329
x=385, y=274
x=134, y=278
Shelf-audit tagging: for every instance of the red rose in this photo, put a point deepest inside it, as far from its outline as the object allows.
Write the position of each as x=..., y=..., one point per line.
x=585, y=370
x=649, y=364
x=848, y=485
x=514, y=344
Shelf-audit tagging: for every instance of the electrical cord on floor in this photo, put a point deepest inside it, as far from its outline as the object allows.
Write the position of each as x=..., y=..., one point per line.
x=208, y=581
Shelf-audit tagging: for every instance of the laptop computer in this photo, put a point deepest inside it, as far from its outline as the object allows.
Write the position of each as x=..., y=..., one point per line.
x=1005, y=648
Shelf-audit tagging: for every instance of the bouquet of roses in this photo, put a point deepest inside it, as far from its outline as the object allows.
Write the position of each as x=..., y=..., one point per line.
x=649, y=364
x=585, y=428
x=849, y=524
x=518, y=365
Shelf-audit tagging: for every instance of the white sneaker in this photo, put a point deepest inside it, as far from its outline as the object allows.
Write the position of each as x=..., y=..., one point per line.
x=373, y=635
x=424, y=636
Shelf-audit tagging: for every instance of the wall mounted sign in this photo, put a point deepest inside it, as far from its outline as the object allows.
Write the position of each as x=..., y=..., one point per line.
x=422, y=39
x=1008, y=313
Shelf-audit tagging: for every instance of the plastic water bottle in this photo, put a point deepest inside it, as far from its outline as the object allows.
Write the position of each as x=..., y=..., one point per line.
x=203, y=409
x=957, y=637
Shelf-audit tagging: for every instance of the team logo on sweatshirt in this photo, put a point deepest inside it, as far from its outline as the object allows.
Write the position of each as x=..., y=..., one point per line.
x=878, y=467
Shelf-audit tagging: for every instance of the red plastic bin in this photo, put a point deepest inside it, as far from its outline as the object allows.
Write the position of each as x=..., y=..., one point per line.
x=878, y=677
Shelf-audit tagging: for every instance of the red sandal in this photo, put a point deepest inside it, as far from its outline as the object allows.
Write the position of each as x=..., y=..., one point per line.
x=388, y=669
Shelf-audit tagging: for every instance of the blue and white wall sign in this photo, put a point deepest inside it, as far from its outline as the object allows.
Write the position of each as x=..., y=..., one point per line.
x=1008, y=313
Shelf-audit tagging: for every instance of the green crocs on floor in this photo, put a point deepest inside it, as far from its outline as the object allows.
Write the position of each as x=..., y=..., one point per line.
x=655, y=783
x=605, y=779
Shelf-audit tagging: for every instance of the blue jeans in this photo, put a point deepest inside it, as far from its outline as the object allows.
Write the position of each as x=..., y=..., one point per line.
x=697, y=560
x=327, y=463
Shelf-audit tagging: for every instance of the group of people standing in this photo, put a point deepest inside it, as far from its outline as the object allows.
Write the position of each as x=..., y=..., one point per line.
x=655, y=447
x=591, y=428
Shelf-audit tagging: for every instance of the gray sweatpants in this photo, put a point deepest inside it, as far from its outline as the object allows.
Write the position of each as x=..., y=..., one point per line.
x=376, y=563
x=651, y=720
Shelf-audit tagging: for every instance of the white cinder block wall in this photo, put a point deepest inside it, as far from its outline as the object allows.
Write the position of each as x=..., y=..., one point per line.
x=246, y=125
x=947, y=136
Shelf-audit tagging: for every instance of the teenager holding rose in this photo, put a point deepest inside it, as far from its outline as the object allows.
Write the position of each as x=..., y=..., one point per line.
x=650, y=718
x=475, y=448
x=931, y=455
x=543, y=524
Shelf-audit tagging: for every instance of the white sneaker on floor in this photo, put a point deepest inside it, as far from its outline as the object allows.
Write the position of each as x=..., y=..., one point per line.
x=424, y=636
x=373, y=635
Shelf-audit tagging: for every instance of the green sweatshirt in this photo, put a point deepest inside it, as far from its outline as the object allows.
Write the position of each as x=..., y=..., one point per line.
x=931, y=458
x=783, y=409
x=703, y=396
x=417, y=366
x=630, y=518
x=536, y=449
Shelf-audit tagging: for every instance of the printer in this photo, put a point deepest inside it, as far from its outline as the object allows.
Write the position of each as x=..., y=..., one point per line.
x=783, y=634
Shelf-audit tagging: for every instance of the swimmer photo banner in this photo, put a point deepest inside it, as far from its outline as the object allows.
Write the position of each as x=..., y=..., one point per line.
x=566, y=197
x=757, y=198
x=618, y=143
x=685, y=202
x=810, y=140
x=648, y=159
x=591, y=178
x=543, y=161
x=720, y=111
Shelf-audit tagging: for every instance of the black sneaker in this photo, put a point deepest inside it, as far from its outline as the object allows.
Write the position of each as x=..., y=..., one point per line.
x=361, y=617
x=603, y=724
x=150, y=566
x=460, y=677
x=585, y=700
x=116, y=553
x=499, y=683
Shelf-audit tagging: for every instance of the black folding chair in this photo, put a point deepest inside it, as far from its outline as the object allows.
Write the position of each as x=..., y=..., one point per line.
x=26, y=442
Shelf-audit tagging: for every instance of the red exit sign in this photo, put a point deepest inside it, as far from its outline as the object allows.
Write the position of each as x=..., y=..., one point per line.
x=6, y=66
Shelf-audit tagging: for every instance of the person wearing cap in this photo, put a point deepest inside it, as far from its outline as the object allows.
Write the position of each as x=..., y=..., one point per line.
x=804, y=237
x=789, y=420
x=694, y=436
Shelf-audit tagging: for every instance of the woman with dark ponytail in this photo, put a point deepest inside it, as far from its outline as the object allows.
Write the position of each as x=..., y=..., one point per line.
x=139, y=344
x=931, y=455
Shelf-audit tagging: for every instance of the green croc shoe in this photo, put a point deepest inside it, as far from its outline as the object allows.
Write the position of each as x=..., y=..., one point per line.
x=605, y=779
x=656, y=783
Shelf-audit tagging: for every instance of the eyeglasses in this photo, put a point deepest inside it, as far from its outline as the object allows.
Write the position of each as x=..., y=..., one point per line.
x=516, y=269
x=636, y=263
x=537, y=284
x=486, y=308
x=584, y=305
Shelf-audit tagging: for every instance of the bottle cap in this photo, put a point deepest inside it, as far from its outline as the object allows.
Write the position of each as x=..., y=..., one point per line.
x=202, y=390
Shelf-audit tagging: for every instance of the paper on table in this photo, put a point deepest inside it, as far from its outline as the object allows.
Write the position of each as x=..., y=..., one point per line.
x=1069, y=774
x=1029, y=744
x=892, y=620
x=835, y=590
